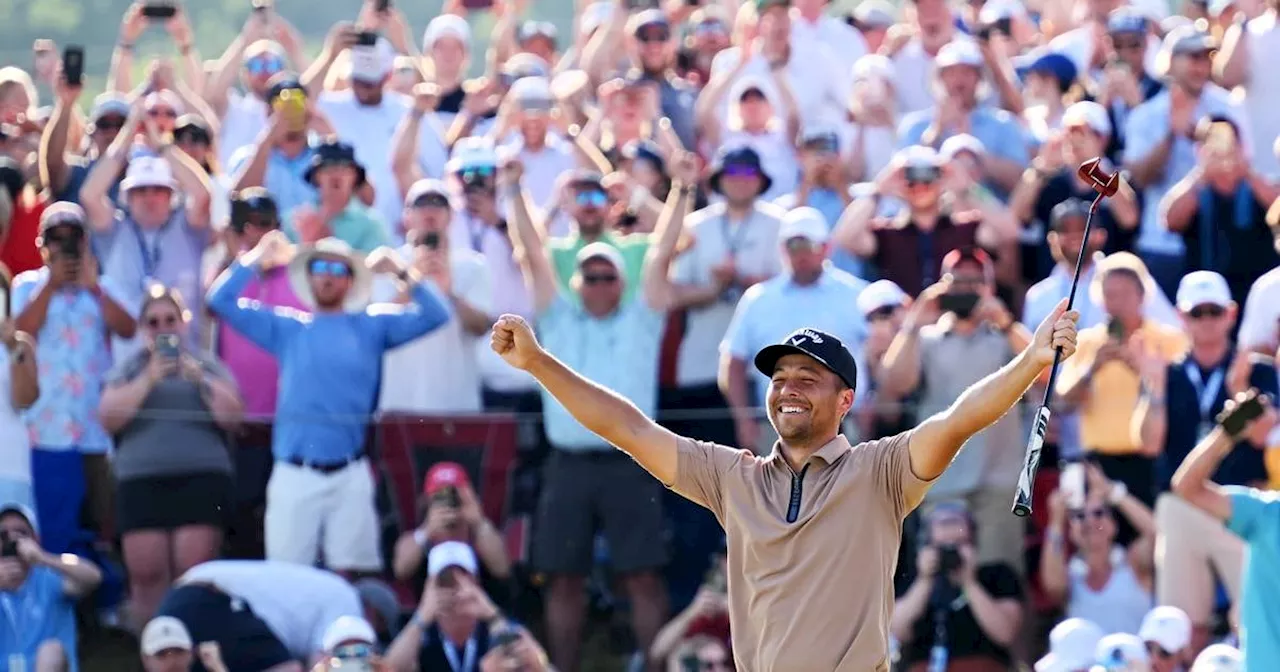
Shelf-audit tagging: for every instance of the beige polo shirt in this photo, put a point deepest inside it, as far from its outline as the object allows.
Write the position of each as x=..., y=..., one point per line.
x=813, y=594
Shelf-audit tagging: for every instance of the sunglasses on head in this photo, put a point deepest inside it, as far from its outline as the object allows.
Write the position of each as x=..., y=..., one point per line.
x=651, y=35
x=156, y=321
x=264, y=66
x=1080, y=515
x=593, y=279
x=431, y=201
x=329, y=267
x=1207, y=311
x=591, y=198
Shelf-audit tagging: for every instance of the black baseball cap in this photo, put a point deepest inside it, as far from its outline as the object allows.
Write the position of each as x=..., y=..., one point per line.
x=820, y=345
x=1068, y=209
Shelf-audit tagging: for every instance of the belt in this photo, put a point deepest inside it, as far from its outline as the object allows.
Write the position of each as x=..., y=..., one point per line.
x=325, y=467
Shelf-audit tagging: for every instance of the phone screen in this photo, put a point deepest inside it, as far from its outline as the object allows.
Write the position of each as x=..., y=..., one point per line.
x=73, y=65
x=1072, y=485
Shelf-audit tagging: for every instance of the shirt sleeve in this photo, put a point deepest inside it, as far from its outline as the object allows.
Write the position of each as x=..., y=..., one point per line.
x=701, y=469
x=736, y=341
x=1254, y=513
x=891, y=460
x=1255, y=327
x=1142, y=132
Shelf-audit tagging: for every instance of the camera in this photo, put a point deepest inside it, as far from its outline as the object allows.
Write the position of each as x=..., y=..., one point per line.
x=447, y=496
x=430, y=240
x=961, y=303
x=922, y=174
x=366, y=39
x=73, y=64
x=949, y=559
x=8, y=545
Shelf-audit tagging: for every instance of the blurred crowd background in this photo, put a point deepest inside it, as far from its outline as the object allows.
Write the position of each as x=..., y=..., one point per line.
x=252, y=253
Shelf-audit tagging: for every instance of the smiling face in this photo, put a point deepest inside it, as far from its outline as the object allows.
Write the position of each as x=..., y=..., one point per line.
x=806, y=401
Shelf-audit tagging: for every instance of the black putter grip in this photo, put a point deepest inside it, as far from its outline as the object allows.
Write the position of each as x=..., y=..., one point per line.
x=1031, y=463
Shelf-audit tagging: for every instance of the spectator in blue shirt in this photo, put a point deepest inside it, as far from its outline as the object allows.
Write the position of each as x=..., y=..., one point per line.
x=38, y=591
x=281, y=157
x=330, y=365
x=1252, y=515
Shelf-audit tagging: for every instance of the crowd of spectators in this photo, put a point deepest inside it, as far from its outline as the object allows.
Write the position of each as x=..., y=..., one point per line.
x=317, y=242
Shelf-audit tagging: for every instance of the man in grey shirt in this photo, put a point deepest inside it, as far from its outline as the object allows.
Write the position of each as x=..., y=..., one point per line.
x=956, y=333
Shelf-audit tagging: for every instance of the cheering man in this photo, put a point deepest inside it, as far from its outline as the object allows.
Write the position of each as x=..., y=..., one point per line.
x=814, y=508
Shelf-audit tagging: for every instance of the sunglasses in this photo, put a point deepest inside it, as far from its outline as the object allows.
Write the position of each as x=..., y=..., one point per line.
x=652, y=35
x=478, y=173
x=193, y=135
x=111, y=123
x=336, y=269
x=264, y=66
x=1080, y=515
x=881, y=313
x=591, y=199
x=167, y=321
x=356, y=651
x=828, y=144
x=741, y=170
x=802, y=245
x=709, y=28
x=1128, y=45
x=162, y=112
x=431, y=201
x=1202, y=312
x=594, y=279
x=1158, y=651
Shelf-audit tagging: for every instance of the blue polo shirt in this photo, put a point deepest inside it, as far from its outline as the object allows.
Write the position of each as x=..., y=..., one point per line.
x=39, y=610
x=330, y=363
x=1244, y=465
x=284, y=176
x=619, y=351
x=1255, y=517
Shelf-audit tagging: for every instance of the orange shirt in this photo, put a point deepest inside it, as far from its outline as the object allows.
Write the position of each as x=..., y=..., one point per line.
x=1107, y=414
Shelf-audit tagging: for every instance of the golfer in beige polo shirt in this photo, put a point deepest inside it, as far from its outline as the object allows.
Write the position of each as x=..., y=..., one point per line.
x=813, y=528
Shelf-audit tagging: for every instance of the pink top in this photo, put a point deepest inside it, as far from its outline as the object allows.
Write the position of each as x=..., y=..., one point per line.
x=255, y=370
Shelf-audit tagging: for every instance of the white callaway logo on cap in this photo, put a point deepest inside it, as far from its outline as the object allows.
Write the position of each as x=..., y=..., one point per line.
x=806, y=335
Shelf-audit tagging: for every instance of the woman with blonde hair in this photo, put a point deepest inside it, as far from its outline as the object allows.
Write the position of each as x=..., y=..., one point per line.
x=170, y=407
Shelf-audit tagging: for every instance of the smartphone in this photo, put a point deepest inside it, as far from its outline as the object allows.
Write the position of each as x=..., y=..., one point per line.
x=73, y=64
x=158, y=10
x=382, y=5
x=922, y=174
x=1115, y=329
x=960, y=303
x=477, y=5
x=447, y=496
x=1072, y=485
x=431, y=240
x=1244, y=413
x=366, y=38
x=167, y=346
x=504, y=637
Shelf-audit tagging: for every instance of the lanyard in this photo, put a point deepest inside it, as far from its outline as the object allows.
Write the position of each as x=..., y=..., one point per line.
x=1206, y=392
x=150, y=253
x=476, y=233
x=734, y=242
x=468, y=661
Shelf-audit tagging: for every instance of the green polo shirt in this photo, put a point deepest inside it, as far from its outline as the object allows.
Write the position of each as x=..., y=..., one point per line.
x=633, y=247
x=358, y=226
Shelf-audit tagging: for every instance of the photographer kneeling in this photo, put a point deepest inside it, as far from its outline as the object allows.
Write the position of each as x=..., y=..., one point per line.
x=957, y=615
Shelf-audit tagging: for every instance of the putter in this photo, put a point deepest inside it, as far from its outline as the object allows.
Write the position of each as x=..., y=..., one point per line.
x=1106, y=184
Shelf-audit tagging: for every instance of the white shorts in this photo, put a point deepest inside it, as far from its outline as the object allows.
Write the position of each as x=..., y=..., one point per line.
x=306, y=508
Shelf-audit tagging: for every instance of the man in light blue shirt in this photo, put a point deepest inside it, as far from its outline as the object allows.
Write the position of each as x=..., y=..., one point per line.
x=612, y=337
x=330, y=366
x=1251, y=514
x=811, y=293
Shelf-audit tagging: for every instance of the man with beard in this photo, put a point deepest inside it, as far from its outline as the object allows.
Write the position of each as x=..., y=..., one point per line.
x=330, y=365
x=586, y=202
x=814, y=509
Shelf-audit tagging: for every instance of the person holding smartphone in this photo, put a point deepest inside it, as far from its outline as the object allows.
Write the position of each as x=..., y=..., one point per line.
x=1250, y=514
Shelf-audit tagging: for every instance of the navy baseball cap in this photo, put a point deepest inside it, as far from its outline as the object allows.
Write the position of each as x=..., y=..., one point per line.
x=820, y=345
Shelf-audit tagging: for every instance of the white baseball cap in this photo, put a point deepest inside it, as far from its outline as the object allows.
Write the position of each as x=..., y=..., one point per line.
x=1169, y=627
x=960, y=51
x=451, y=554
x=601, y=250
x=874, y=66
x=1219, y=658
x=347, y=629
x=148, y=171
x=1201, y=287
x=880, y=294
x=995, y=10
x=164, y=633
x=1087, y=113
x=804, y=222
x=446, y=25
x=1119, y=650
x=962, y=142
x=1072, y=644
x=372, y=63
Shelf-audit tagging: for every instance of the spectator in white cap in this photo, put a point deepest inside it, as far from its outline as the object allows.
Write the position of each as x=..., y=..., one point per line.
x=1160, y=141
x=708, y=36
x=824, y=182
x=455, y=624
x=1220, y=209
x=1121, y=652
x=615, y=336
x=1244, y=61
x=957, y=109
x=871, y=138
x=883, y=303
x=152, y=236
x=450, y=351
x=1219, y=658
x=446, y=46
x=1072, y=644
x=965, y=158
x=1052, y=179
x=873, y=18
x=801, y=296
x=525, y=131
x=166, y=646
x=1167, y=633
x=351, y=640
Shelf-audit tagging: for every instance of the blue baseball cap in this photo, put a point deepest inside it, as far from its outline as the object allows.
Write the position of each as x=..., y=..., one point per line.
x=1053, y=64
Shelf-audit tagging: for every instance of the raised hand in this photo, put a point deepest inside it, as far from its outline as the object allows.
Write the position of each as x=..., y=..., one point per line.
x=514, y=341
x=385, y=261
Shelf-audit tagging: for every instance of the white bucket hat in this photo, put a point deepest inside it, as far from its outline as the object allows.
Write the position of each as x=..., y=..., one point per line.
x=361, y=277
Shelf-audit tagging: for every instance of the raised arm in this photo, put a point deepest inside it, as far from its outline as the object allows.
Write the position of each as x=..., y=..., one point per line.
x=401, y=323
x=52, y=155
x=658, y=290
x=936, y=441
x=97, y=205
x=193, y=181
x=1193, y=480
x=261, y=324
x=404, y=142
x=599, y=409
x=528, y=246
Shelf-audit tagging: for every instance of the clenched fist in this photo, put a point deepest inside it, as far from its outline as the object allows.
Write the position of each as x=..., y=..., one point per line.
x=513, y=339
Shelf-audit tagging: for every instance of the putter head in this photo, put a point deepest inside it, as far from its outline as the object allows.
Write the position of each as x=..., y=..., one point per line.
x=1106, y=184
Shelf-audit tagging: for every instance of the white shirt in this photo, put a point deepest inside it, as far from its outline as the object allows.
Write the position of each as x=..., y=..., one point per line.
x=753, y=245
x=243, y=123
x=15, y=446
x=1262, y=91
x=820, y=87
x=845, y=43
x=543, y=168
x=1119, y=606
x=914, y=83
x=297, y=602
x=437, y=373
x=1260, y=322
